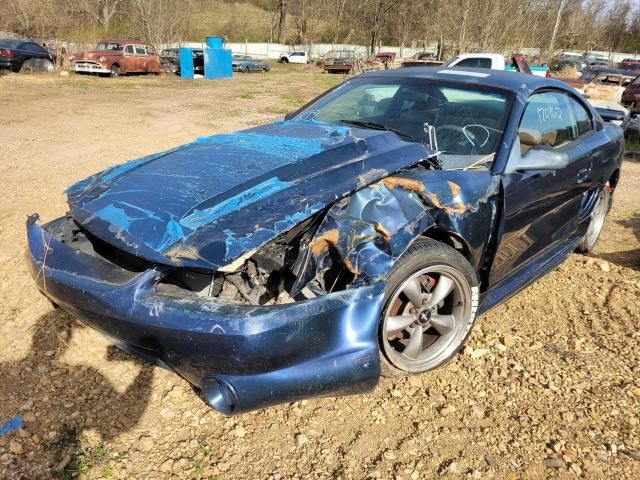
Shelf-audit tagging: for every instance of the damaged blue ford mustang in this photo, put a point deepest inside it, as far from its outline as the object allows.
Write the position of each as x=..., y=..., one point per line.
x=361, y=236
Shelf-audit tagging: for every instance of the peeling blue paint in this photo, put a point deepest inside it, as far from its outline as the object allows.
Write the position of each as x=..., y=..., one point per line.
x=11, y=425
x=259, y=192
x=291, y=148
x=173, y=233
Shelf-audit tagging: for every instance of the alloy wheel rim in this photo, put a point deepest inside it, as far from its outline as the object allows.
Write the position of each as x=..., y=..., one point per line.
x=598, y=217
x=427, y=318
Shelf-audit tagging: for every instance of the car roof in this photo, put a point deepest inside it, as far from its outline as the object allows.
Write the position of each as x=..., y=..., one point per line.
x=506, y=80
x=124, y=42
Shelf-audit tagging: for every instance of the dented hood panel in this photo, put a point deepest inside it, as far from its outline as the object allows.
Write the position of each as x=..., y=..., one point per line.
x=206, y=203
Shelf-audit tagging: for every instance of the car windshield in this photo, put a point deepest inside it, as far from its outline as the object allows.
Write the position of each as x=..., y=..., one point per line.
x=109, y=46
x=468, y=119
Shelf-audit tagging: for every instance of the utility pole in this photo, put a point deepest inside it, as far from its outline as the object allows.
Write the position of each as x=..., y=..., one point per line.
x=557, y=26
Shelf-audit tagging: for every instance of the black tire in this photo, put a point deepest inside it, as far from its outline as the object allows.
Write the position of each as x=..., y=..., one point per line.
x=246, y=69
x=115, y=71
x=425, y=254
x=284, y=60
x=598, y=217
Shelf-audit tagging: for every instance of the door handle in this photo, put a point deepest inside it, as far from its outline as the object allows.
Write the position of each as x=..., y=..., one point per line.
x=583, y=174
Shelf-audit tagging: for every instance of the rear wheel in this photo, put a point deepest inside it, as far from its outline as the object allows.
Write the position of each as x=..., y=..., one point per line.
x=430, y=307
x=598, y=216
x=115, y=71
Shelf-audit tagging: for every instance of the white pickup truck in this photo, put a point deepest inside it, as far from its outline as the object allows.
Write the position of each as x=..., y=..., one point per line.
x=297, y=56
x=495, y=61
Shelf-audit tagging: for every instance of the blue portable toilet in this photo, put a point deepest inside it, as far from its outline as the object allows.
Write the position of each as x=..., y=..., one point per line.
x=217, y=60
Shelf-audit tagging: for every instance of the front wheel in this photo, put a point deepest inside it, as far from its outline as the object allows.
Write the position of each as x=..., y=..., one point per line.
x=429, y=309
x=115, y=71
x=598, y=216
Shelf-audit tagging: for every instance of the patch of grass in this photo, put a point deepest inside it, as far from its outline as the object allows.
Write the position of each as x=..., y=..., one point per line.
x=78, y=459
x=247, y=96
x=107, y=471
x=198, y=471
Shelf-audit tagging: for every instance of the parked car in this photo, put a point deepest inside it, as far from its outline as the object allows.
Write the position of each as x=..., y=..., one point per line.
x=14, y=54
x=602, y=83
x=422, y=59
x=496, y=61
x=170, y=60
x=245, y=63
x=387, y=58
x=339, y=61
x=364, y=233
x=118, y=57
x=633, y=66
x=297, y=56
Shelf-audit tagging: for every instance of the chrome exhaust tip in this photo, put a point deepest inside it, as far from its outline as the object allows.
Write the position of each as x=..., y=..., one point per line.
x=220, y=395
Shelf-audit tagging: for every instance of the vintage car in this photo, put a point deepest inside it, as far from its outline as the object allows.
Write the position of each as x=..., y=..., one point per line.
x=245, y=63
x=339, y=61
x=118, y=57
x=365, y=233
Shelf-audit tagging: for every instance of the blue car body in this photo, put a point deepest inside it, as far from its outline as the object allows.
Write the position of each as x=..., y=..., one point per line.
x=244, y=63
x=205, y=206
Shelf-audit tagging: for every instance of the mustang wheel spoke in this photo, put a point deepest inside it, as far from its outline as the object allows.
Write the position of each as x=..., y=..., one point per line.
x=442, y=290
x=443, y=324
x=413, y=291
x=399, y=322
x=414, y=347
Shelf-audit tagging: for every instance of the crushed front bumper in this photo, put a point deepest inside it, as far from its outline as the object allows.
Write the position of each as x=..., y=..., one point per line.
x=241, y=357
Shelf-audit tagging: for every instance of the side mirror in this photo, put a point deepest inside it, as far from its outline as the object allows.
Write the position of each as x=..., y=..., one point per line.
x=611, y=115
x=540, y=157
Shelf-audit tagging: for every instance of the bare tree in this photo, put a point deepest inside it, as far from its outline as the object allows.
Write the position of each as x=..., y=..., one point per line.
x=282, y=22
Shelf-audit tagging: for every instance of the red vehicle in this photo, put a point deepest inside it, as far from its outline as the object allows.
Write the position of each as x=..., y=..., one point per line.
x=116, y=57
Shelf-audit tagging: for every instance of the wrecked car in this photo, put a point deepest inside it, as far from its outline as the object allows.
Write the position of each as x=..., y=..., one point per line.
x=363, y=234
x=246, y=64
x=602, y=83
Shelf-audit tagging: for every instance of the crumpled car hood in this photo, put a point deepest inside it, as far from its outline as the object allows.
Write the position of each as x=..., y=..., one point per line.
x=205, y=204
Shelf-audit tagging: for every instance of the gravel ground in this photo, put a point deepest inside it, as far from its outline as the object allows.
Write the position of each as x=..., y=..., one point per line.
x=548, y=386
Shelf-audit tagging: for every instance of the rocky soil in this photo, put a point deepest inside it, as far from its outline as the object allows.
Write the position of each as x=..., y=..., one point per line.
x=548, y=386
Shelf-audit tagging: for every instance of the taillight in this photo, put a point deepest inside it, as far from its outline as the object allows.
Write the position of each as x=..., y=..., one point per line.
x=547, y=75
x=5, y=53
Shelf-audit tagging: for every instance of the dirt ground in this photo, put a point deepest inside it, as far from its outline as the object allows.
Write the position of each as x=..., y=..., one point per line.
x=548, y=386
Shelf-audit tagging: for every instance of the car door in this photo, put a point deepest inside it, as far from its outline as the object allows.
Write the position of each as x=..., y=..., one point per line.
x=153, y=61
x=129, y=59
x=543, y=208
x=141, y=58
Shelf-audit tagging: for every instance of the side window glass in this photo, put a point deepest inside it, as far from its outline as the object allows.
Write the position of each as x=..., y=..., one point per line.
x=582, y=117
x=140, y=50
x=129, y=49
x=547, y=120
x=475, y=63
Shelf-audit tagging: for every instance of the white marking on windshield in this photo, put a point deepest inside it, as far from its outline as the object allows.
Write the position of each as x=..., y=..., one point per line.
x=468, y=74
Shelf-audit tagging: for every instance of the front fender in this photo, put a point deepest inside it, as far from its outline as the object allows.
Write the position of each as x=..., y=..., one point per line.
x=371, y=229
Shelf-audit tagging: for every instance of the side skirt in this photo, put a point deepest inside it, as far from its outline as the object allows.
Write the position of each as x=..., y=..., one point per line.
x=525, y=276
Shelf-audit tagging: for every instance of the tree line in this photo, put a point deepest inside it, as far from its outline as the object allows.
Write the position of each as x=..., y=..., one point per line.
x=489, y=25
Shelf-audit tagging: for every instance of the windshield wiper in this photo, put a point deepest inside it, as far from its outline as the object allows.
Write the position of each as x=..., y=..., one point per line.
x=378, y=126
